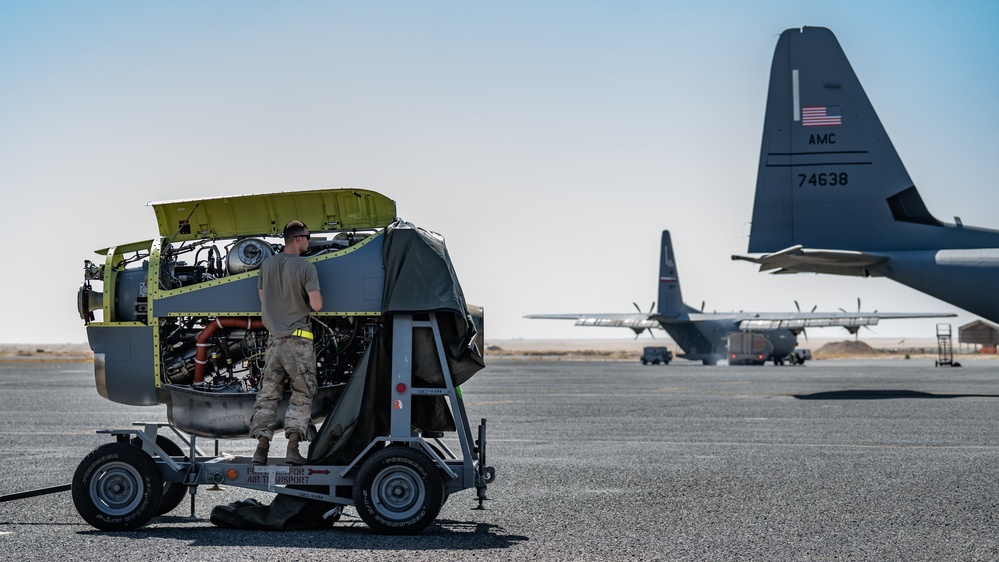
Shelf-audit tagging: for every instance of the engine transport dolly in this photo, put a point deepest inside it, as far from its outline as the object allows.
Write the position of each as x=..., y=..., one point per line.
x=176, y=320
x=397, y=484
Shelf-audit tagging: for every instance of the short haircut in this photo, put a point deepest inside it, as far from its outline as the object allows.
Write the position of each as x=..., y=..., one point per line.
x=293, y=229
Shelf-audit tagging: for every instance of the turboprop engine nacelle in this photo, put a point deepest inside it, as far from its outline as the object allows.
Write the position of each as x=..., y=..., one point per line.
x=176, y=320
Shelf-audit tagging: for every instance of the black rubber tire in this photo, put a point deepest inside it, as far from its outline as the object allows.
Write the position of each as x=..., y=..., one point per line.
x=117, y=487
x=173, y=492
x=444, y=493
x=398, y=491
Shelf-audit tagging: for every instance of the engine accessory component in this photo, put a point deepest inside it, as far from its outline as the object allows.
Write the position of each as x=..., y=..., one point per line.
x=247, y=255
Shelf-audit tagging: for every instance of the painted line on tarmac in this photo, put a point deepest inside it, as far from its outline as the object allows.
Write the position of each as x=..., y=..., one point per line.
x=91, y=432
x=789, y=445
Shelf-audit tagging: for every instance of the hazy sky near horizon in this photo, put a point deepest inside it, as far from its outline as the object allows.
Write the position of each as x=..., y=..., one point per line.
x=549, y=142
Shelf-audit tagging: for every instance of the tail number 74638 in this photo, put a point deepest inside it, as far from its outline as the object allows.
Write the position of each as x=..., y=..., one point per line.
x=823, y=179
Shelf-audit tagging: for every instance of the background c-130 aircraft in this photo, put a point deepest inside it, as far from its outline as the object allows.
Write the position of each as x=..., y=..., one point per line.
x=703, y=336
x=832, y=194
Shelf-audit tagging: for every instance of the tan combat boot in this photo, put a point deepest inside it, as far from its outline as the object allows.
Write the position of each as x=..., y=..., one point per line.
x=293, y=456
x=260, y=455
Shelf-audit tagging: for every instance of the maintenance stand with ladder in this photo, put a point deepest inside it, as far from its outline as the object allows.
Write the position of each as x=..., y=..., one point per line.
x=945, y=350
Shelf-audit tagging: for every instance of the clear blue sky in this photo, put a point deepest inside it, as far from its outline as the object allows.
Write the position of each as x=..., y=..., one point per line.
x=549, y=142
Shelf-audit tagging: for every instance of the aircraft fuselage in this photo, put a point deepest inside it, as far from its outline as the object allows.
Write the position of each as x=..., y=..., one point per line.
x=707, y=340
x=960, y=277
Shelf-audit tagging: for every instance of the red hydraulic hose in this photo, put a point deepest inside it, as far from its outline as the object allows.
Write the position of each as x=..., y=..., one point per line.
x=201, y=357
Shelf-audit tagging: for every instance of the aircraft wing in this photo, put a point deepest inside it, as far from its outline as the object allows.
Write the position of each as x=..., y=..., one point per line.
x=635, y=321
x=797, y=259
x=797, y=321
x=794, y=321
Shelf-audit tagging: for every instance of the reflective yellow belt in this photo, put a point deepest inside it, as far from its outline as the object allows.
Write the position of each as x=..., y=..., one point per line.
x=302, y=334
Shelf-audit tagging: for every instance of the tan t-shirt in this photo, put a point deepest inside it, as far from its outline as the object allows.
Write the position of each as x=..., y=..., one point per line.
x=286, y=281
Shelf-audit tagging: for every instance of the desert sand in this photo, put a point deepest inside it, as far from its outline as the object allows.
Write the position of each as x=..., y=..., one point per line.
x=626, y=349
x=631, y=349
x=62, y=352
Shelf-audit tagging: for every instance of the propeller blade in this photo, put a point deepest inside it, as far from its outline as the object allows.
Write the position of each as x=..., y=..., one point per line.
x=812, y=310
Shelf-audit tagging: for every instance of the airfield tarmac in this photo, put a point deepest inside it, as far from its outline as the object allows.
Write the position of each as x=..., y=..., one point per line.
x=879, y=459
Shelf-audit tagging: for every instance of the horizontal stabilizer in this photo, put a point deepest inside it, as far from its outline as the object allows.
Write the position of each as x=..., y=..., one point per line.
x=805, y=260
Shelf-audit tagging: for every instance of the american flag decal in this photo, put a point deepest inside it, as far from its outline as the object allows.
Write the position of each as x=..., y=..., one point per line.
x=821, y=116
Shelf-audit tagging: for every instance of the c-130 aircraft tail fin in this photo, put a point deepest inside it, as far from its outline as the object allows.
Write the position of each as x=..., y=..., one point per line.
x=833, y=197
x=670, y=297
x=828, y=175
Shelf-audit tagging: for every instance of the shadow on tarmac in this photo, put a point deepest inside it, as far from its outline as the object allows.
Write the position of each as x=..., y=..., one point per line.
x=348, y=534
x=883, y=395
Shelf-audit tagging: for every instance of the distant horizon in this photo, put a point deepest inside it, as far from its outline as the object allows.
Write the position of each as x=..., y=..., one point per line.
x=624, y=339
x=660, y=336
x=811, y=341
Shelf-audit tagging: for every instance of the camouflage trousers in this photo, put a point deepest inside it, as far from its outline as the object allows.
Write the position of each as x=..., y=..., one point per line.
x=293, y=358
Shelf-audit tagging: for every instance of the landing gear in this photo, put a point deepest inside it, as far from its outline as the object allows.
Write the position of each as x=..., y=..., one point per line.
x=117, y=487
x=398, y=491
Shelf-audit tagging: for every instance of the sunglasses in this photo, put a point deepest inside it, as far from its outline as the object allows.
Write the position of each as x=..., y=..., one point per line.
x=306, y=236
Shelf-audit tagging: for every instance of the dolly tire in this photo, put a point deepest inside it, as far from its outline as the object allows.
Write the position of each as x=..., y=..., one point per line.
x=173, y=492
x=398, y=491
x=117, y=487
